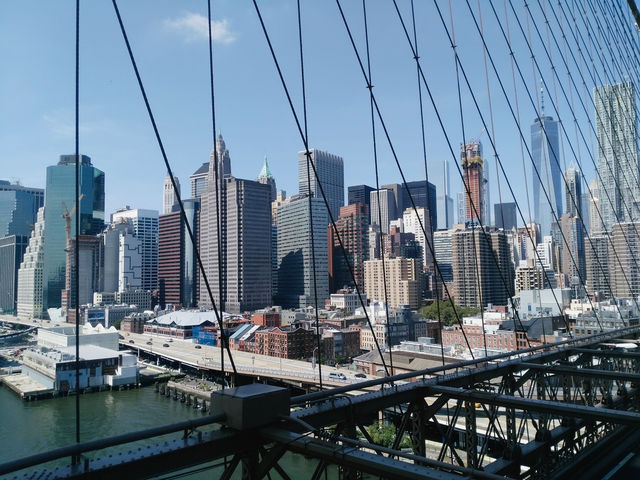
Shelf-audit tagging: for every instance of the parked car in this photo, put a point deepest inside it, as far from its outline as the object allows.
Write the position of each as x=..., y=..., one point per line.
x=165, y=344
x=198, y=346
x=131, y=341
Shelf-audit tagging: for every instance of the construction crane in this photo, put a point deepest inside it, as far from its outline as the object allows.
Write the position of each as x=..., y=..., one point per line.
x=67, y=218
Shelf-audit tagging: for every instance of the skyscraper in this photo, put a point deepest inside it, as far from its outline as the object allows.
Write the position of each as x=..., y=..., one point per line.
x=595, y=222
x=145, y=228
x=265, y=177
x=461, y=208
x=473, y=171
x=478, y=281
x=418, y=224
x=12, y=249
x=353, y=227
x=170, y=258
x=295, y=265
x=30, y=274
x=18, y=208
x=573, y=192
x=330, y=170
x=198, y=180
x=169, y=197
x=383, y=208
x=505, y=215
x=359, y=194
x=616, y=125
x=240, y=210
x=445, y=201
x=545, y=150
x=60, y=195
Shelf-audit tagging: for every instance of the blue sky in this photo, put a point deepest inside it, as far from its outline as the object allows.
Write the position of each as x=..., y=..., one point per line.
x=170, y=43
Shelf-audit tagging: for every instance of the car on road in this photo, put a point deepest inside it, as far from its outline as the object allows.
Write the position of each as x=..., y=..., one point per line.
x=165, y=344
x=360, y=375
x=198, y=346
x=337, y=376
x=131, y=341
x=149, y=342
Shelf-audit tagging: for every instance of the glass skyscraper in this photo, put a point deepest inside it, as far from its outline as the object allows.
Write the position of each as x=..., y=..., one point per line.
x=61, y=190
x=615, y=110
x=18, y=208
x=330, y=169
x=545, y=149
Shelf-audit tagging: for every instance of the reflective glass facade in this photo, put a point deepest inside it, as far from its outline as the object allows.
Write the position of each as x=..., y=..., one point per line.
x=545, y=149
x=18, y=208
x=60, y=192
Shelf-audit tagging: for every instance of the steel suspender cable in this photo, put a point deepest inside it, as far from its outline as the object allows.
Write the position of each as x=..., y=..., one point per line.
x=308, y=158
x=217, y=313
x=76, y=253
x=386, y=132
x=218, y=189
x=378, y=192
x=321, y=188
x=437, y=295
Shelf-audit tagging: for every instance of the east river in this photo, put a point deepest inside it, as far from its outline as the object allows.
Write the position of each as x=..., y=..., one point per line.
x=27, y=428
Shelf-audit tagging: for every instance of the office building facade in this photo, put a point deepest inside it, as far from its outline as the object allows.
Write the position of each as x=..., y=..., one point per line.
x=145, y=228
x=383, y=208
x=169, y=195
x=546, y=175
x=295, y=261
x=505, y=215
x=330, y=171
x=12, y=248
x=18, y=208
x=60, y=198
x=31, y=273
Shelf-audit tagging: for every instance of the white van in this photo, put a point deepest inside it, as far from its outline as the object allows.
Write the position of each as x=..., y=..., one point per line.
x=337, y=376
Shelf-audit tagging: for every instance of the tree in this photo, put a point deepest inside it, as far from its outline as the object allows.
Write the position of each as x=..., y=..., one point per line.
x=448, y=311
x=385, y=435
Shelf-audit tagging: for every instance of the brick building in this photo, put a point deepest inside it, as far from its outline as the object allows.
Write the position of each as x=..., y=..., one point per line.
x=293, y=343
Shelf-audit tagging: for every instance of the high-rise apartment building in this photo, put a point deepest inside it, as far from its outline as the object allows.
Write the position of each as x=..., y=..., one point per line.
x=474, y=185
x=482, y=267
x=266, y=177
x=145, y=228
x=295, y=261
x=442, y=247
x=86, y=273
x=330, y=171
x=445, y=202
x=505, y=215
x=18, y=208
x=624, y=273
x=572, y=258
x=170, y=258
x=60, y=196
x=461, y=208
x=597, y=265
x=547, y=175
x=383, y=208
x=353, y=227
x=403, y=279
x=120, y=258
x=169, y=197
x=616, y=128
x=240, y=210
x=31, y=273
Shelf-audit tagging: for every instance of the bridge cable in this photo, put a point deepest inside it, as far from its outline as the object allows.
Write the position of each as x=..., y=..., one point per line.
x=426, y=179
x=307, y=154
x=173, y=181
x=390, y=143
x=315, y=172
x=579, y=163
x=378, y=192
x=218, y=187
x=76, y=253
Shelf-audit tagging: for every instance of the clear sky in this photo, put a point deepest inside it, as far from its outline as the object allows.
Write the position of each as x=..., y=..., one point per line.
x=169, y=40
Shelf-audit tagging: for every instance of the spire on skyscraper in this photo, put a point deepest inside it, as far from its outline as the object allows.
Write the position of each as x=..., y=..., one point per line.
x=265, y=172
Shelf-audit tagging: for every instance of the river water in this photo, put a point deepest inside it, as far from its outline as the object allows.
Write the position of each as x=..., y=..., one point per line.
x=27, y=428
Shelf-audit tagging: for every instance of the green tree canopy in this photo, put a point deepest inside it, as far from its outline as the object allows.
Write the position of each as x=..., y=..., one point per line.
x=447, y=312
